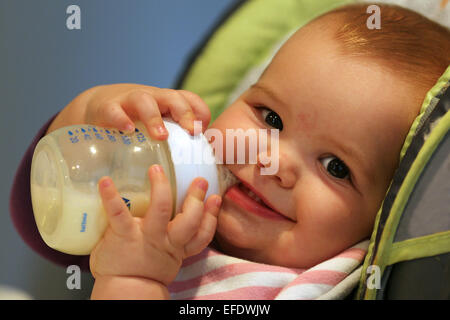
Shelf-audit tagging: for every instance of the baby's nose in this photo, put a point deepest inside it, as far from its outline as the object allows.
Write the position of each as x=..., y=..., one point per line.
x=281, y=168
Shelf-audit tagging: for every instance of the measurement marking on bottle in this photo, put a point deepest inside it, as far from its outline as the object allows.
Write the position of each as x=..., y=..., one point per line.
x=99, y=136
x=83, y=222
x=92, y=132
x=126, y=140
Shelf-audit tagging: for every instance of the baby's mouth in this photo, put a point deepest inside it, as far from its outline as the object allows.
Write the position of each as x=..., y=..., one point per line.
x=253, y=195
x=243, y=196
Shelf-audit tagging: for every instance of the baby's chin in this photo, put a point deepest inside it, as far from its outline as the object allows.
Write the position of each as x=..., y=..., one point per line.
x=238, y=245
x=253, y=255
x=242, y=238
x=226, y=247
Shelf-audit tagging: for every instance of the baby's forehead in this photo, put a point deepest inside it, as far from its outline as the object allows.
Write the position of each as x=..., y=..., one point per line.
x=326, y=24
x=316, y=37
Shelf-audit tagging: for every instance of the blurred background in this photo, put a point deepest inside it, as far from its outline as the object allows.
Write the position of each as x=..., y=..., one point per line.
x=43, y=66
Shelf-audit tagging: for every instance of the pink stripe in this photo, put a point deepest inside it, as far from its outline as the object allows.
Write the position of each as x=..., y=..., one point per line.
x=319, y=277
x=353, y=253
x=225, y=272
x=246, y=293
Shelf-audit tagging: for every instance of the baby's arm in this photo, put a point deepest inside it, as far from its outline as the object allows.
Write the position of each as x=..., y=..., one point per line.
x=138, y=257
x=74, y=112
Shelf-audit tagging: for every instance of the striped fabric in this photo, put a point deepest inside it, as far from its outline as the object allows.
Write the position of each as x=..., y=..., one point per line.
x=213, y=275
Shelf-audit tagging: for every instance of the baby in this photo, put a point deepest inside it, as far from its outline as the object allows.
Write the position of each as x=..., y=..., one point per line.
x=343, y=98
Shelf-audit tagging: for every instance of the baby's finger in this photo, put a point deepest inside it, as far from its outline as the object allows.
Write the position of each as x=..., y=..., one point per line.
x=119, y=217
x=185, y=225
x=180, y=109
x=111, y=114
x=142, y=104
x=199, y=107
x=160, y=208
x=207, y=227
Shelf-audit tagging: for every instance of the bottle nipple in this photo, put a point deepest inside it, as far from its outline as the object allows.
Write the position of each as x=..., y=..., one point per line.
x=226, y=178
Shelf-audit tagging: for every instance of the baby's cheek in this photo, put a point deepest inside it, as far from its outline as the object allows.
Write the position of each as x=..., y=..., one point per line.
x=319, y=202
x=328, y=213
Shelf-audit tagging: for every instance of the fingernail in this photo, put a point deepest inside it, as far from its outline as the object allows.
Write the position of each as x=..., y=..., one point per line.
x=202, y=184
x=157, y=168
x=198, y=127
x=188, y=124
x=161, y=130
x=218, y=202
x=105, y=183
x=129, y=128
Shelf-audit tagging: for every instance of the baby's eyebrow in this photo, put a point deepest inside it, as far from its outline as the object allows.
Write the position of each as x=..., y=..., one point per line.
x=268, y=91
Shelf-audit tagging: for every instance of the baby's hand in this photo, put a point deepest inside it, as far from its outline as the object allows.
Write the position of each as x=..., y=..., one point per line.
x=118, y=105
x=153, y=247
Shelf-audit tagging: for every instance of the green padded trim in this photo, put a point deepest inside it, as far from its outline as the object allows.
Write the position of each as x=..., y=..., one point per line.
x=428, y=104
x=426, y=246
x=246, y=40
x=440, y=85
x=370, y=249
x=384, y=255
x=408, y=185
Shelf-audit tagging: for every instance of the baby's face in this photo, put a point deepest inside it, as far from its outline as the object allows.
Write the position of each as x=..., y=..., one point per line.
x=343, y=124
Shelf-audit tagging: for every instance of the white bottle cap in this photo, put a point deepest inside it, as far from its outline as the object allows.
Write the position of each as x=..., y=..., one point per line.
x=192, y=157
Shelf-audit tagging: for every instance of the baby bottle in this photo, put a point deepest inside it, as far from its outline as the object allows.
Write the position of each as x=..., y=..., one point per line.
x=68, y=162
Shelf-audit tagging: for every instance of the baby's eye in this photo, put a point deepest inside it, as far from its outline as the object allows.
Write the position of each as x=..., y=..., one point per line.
x=271, y=118
x=336, y=167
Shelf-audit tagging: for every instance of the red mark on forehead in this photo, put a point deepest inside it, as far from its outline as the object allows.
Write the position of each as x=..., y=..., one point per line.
x=305, y=121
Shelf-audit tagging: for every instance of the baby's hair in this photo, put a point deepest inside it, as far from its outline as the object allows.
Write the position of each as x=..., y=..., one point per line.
x=408, y=43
